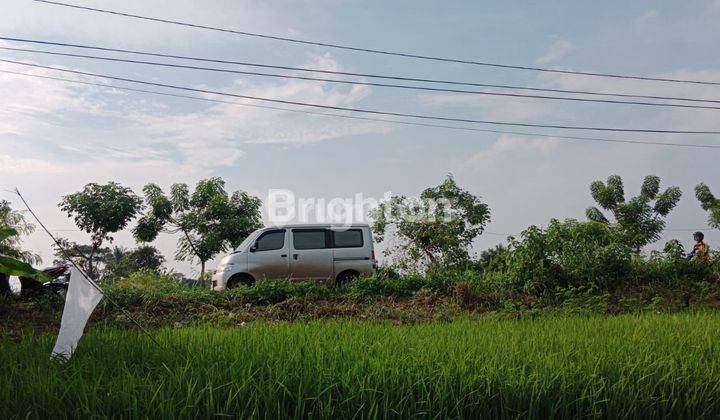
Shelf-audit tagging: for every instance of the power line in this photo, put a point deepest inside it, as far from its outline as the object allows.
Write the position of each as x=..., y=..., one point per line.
x=361, y=118
x=363, y=83
x=370, y=111
x=409, y=123
x=342, y=73
x=376, y=51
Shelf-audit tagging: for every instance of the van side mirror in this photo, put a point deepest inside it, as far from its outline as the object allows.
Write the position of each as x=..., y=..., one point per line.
x=253, y=248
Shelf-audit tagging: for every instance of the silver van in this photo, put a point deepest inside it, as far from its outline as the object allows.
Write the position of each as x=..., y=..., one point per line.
x=299, y=252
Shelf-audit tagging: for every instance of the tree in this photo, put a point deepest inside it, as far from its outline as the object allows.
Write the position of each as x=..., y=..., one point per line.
x=10, y=265
x=79, y=253
x=435, y=231
x=208, y=220
x=122, y=262
x=11, y=245
x=708, y=202
x=13, y=259
x=100, y=210
x=639, y=221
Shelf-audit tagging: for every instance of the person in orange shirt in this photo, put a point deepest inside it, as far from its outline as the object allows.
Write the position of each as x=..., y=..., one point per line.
x=700, y=250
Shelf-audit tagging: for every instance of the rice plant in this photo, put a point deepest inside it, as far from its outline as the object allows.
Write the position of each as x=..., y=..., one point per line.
x=652, y=366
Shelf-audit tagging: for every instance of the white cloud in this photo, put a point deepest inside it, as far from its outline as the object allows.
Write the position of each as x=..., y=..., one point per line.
x=557, y=50
x=510, y=147
x=217, y=129
x=130, y=127
x=20, y=166
x=29, y=101
x=30, y=19
x=646, y=20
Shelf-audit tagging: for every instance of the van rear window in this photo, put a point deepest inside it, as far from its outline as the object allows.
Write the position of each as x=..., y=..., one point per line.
x=351, y=238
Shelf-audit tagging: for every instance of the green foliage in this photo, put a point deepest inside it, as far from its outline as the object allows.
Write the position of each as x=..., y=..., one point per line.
x=12, y=226
x=99, y=210
x=153, y=290
x=632, y=366
x=640, y=220
x=709, y=203
x=265, y=292
x=11, y=266
x=102, y=209
x=210, y=220
x=90, y=258
x=568, y=253
x=14, y=267
x=434, y=231
x=124, y=262
x=386, y=284
x=493, y=259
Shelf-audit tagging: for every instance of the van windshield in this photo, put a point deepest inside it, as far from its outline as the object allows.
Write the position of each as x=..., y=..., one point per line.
x=244, y=244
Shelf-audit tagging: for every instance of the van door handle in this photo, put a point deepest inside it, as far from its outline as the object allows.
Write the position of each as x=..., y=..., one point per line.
x=283, y=256
x=295, y=256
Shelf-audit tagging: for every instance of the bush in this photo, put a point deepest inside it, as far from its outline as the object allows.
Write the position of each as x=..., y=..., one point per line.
x=386, y=283
x=669, y=268
x=568, y=253
x=265, y=292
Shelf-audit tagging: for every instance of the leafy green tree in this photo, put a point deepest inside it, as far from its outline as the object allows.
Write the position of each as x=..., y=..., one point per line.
x=100, y=210
x=435, y=231
x=11, y=245
x=640, y=220
x=79, y=253
x=124, y=262
x=709, y=203
x=209, y=220
x=10, y=265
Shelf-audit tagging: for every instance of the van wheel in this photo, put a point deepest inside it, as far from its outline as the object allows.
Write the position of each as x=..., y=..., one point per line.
x=344, y=278
x=240, y=279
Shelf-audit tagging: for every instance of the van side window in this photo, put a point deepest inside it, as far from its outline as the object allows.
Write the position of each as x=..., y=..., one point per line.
x=271, y=240
x=351, y=238
x=310, y=239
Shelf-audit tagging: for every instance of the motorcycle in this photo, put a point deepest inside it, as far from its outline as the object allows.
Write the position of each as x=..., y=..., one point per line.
x=58, y=283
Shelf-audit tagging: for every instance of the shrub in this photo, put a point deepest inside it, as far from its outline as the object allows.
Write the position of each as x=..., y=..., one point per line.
x=568, y=253
x=670, y=268
x=265, y=292
x=386, y=283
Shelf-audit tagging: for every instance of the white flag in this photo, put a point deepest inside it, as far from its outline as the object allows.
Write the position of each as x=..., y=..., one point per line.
x=80, y=301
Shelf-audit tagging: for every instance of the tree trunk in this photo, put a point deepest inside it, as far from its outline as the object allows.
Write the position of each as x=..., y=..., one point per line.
x=90, y=262
x=202, y=274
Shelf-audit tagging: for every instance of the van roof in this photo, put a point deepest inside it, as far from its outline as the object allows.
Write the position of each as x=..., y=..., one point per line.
x=318, y=225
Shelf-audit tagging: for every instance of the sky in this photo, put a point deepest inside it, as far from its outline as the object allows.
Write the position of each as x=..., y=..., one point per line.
x=55, y=136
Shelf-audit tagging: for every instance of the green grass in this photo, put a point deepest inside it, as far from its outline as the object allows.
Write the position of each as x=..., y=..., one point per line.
x=651, y=366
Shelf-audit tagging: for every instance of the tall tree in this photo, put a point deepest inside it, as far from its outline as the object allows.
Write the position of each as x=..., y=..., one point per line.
x=640, y=220
x=209, y=220
x=100, y=210
x=709, y=203
x=435, y=231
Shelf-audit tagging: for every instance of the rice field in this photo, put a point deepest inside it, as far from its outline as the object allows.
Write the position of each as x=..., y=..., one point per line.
x=647, y=366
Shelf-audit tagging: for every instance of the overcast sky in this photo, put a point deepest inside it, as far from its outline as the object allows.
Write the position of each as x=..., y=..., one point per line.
x=55, y=137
